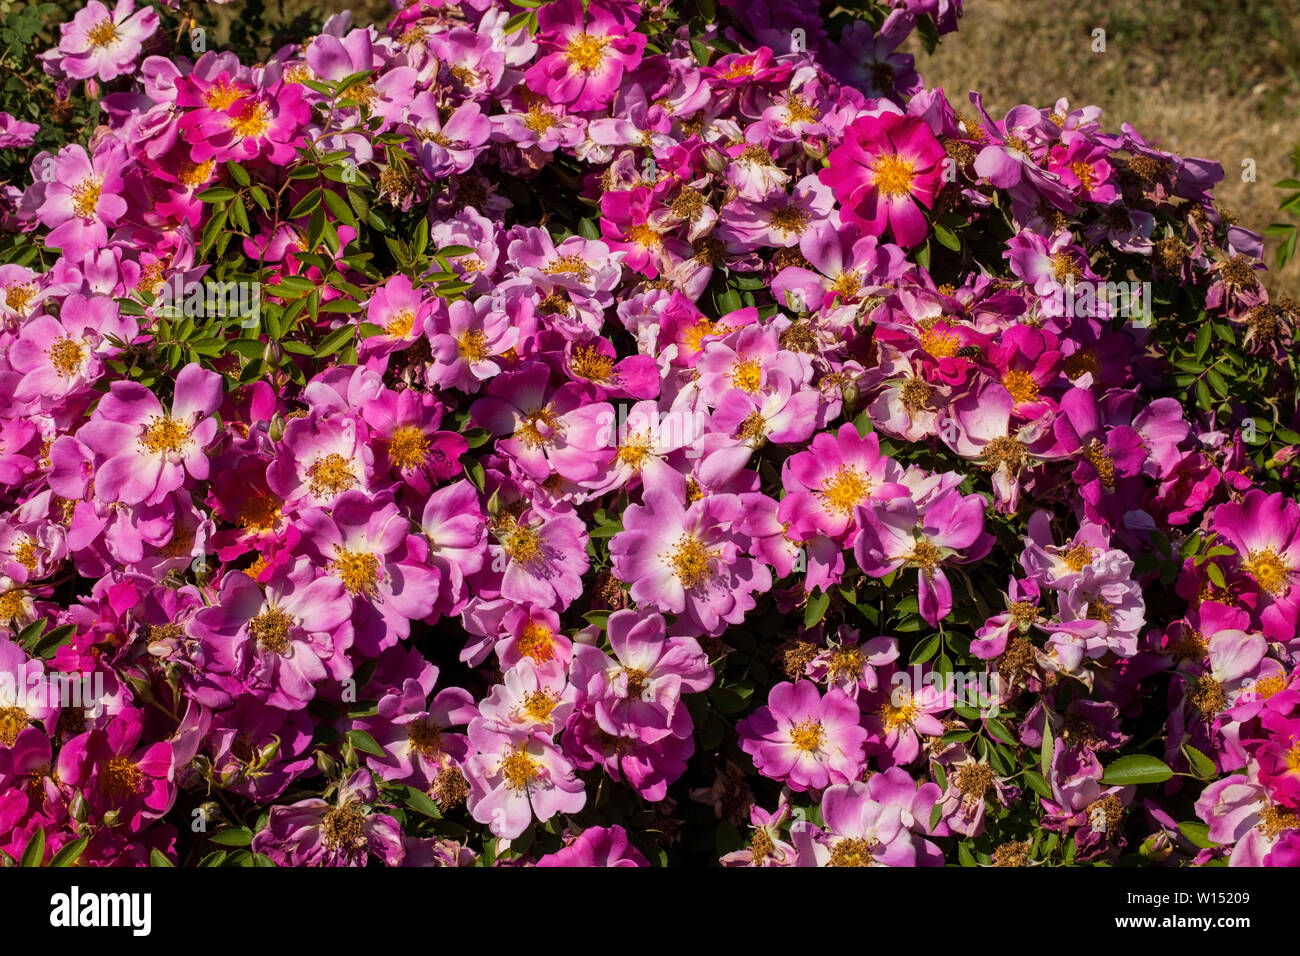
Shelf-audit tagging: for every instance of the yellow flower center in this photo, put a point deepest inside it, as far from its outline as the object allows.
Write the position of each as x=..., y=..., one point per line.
x=690, y=561
x=252, y=121
x=634, y=450
x=535, y=642
x=330, y=475
x=66, y=355
x=521, y=543
x=1005, y=450
x=13, y=720
x=789, y=219
x=195, y=174
x=358, y=570
x=645, y=237
x=424, y=739
x=572, y=265
x=898, y=716
x=925, y=556
x=538, y=704
x=85, y=198
x=940, y=343
x=408, y=447
x=589, y=363
x=401, y=324
x=539, y=120
x=586, y=52
x=519, y=769
x=636, y=681
x=846, y=284
x=1105, y=465
x=120, y=779
x=1266, y=687
x=102, y=33
x=1078, y=557
x=916, y=393
x=529, y=429
x=807, y=735
x=1268, y=570
x=852, y=852
x=747, y=374
x=1021, y=385
x=19, y=295
x=271, y=630
x=844, y=489
x=893, y=175
x=220, y=95
x=165, y=434
x=259, y=513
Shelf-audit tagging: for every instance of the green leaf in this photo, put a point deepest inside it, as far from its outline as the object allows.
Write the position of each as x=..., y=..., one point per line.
x=419, y=801
x=816, y=607
x=34, y=854
x=307, y=204
x=1198, y=833
x=213, y=859
x=1038, y=784
x=216, y=194
x=49, y=644
x=235, y=836
x=335, y=341
x=365, y=743
x=1203, y=341
x=70, y=853
x=1136, y=769
x=1046, y=750
x=925, y=650
x=156, y=858
x=1201, y=765
x=947, y=237
x=238, y=173
x=1000, y=731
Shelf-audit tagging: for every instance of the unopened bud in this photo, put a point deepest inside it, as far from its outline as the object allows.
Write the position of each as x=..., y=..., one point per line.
x=77, y=809
x=327, y=764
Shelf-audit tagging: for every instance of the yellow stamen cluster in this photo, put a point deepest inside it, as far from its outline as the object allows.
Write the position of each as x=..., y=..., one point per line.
x=120, y=779
x=519, y=769
x=66, y=356
x=1102, y=462
x=529, y=429
x=424, y=738
x=271, y=630
x=570, y=265
x=807, y=735
x=690, y=561
x=165, y=434
x=586, y=52
x=400, y=326
x=1269, y=571
x=521, y=543
x=1021, y=385
x=102, y=33
x=746, y=374
x=535, y=642
x=330, y=475
x=844, y=489
x=358, y=570
x=85, y=197
x=893, y=175
x=590, y=363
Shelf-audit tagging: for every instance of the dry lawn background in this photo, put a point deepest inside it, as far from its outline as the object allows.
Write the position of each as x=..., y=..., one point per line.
x=1219, y=79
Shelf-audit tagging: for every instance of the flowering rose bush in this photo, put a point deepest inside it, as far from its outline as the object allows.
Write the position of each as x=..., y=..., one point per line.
x=573, y=433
